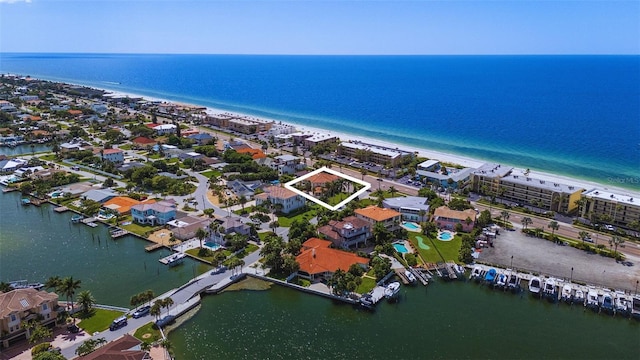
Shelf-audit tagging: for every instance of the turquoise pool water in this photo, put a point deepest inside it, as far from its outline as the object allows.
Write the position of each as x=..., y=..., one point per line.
x=445, y=236
x=401, y=248
x=211, y=245
x=411, y=226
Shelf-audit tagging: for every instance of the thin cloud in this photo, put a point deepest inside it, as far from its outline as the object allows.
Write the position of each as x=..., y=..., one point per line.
x=14, y=1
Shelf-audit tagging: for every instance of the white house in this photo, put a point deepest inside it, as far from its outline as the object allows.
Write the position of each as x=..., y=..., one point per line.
x=113, y=155
x=165, y=129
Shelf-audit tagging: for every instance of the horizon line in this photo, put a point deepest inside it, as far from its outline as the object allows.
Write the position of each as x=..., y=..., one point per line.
x=335, y=55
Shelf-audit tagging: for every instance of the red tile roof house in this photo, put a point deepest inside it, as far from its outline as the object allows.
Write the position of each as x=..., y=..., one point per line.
x=125, y=348
x=142, y=142
x=347, y=232
x=448, y=219
x=289, y=200
x=372, y=214
x=318, y=261
x=318, y=181
x=21, y=305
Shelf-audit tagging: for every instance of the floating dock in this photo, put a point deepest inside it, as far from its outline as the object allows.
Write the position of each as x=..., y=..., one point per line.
x=61, y=209
x=89, y=222
x=153, y=247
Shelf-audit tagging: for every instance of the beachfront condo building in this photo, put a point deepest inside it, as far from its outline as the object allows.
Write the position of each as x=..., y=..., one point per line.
x=610, y=207
x=21, y=305
x=486, y=179
x=545, y=194
x=432, y=172
x=381, y=155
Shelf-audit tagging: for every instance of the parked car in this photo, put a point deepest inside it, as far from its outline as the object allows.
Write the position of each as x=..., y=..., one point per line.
x=118, y=323
x=143, y=311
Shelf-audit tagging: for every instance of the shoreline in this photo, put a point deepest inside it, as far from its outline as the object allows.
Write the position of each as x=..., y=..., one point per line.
x=439, y=155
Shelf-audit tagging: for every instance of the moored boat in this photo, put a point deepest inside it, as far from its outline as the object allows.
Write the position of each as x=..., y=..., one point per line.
x=392, y=290
x=635, y=307
x=410, y=277
x=501, y=280
x=490, y=276
x=592, y=300
x=176, y=259
x=476, y=274
x=549, y=290
x=578, y=296
x=567, y=293
x=514, y=283
x=607, y=303
x=76, y=218
x=535, y=286
x=622, y=304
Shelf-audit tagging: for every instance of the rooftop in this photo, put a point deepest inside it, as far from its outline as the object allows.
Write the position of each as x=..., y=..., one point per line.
x=22, y=300
x=279, y=192
x=619, y=197
x=408, y=202
x=492, y=170
x=382, y=150
x=445, y=212
x=316, y=257
x=377, y=213
x=541, y=183
x=322, y=178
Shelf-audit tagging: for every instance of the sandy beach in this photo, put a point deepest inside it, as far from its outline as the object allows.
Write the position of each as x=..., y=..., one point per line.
x=423, y=152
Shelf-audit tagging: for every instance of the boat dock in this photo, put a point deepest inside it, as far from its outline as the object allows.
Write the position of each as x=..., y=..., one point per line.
x=60, y=209
x=153, y=247
x=117, y=232
x=402, y=276
x=9, y=189
x=173, y=259
x=90, y=222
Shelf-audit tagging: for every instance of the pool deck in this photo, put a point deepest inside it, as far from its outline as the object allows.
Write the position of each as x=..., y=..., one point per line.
x=411, y=226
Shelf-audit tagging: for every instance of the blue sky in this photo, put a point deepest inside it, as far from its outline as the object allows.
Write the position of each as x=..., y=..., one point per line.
x=321, y=27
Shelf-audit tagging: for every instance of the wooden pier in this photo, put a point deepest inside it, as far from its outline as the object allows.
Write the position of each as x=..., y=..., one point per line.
x=401, y=275
x=60, y=209
x=117, y=232
x=9, y=189
x=89, y=222
x=153, y=247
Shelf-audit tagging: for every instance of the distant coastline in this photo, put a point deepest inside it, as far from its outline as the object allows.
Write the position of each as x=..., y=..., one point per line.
x=557, y=148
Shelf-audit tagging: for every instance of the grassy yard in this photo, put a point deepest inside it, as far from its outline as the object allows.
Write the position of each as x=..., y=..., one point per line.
x=286, y=220
x=51, y=157
x=148, y=333
x=367, y=285
x=138, y=229
x=210, y=173
x=125, y=147
x=448, y=249
x=99, y=320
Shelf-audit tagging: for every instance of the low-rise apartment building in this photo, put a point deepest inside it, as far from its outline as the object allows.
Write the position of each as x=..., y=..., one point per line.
x=619, y=208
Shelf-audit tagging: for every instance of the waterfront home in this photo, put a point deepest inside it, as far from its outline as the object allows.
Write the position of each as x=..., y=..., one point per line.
x=243, y=188
x=126, y=347
x=412, y=208
x=446, y=218
x=185, y=227
x=21, y=305
x=231, y=225
x=372, y=214
x=201, y=139
x=11, y=165
x=378, y=154
x=318, y=261
x=99, y=195
x=156, y=213
x=348, y=232
x=287, y=199
x=142, y=142
x=123, y=204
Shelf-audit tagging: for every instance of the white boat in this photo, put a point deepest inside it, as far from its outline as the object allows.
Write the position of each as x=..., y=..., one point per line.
x=476, y=273
x=501, y=280
x=392, y=290
x=592, y=300
x=578, y=296
x=514, y=282
x=567, y=293
x=549, y=289
x=176, y=259
x=410, y=277
x=535, y=286
x=635, y=307
x=622, y=303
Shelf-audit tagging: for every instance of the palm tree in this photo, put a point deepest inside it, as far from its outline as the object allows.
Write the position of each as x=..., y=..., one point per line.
x=505, y=217
x=583, y=235
x=615, y=241
x=53, y=282
x=201, y=234
x=526, y=221
x=553, y=225
x=168, y=347
x=167, y=303
x=68, y=288
x=86, y=299
x=392, y=191
x=5, y=287
x=155, y=309
x=148, y=296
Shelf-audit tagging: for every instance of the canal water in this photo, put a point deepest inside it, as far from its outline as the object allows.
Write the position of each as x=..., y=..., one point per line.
x=36, y=243
x=444, y=320
x=457, y=320
x=24, y=149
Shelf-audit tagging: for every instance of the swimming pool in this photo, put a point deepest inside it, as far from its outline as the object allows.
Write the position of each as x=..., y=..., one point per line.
x=211, y=245
x=445, y=236
x=411, y=226
x=401, y=248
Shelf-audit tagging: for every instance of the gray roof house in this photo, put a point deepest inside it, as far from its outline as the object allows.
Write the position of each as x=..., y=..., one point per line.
x=99, y=195
x=410, y=207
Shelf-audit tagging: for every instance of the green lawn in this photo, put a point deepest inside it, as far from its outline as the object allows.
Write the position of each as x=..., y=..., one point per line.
x=367, y=285
x=51, y=157
x=138, y=229
x=337, y=199
x=286, y=220
x=148, y=333
x=99, y=320
x=437, y=249
x=125, y=147
x=210, y=173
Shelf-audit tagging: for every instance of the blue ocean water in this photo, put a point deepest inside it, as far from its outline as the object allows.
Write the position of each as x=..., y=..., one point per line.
x=572, y=115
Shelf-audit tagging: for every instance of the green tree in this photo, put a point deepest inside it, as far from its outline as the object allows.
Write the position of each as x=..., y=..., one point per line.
x=583, y=235
x=86, y=299
x=68, y=288
x=505, y=217
x=201, y=234
x=553, y=225
x=526, y=221
x=53, y=282
x=616, y=241
x=156, y=310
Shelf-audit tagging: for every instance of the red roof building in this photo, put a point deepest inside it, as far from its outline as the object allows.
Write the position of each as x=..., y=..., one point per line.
x=318, y=261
